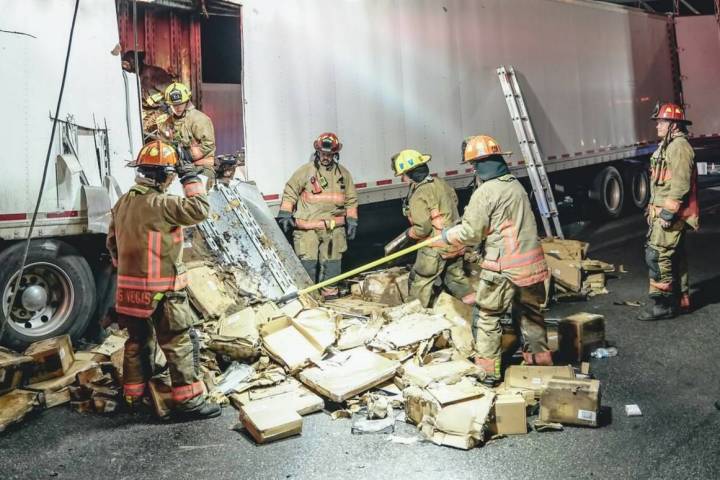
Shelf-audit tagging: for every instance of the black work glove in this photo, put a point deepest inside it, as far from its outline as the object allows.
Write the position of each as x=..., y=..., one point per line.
x=185, y=167
x=667, y=218
x=352, y=225
x=285, y=220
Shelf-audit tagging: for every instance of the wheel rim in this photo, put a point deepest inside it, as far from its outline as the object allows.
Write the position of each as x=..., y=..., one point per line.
x=613, y=194
x=640, y=188
x=43, y=302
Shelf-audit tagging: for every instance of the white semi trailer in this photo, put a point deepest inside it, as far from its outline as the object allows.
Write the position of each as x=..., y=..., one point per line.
x=384, y=74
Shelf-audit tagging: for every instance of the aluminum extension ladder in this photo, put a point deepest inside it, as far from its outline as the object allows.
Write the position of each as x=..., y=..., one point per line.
x=530, y=151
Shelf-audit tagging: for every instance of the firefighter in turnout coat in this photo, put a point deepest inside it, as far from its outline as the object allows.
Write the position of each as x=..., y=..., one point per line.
x=145, y=241
x=430, y=206
x=672, y=211
x=499, y=218
x=320, y=202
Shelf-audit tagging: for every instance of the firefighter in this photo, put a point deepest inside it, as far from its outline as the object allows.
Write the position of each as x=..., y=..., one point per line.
x=513, y=268
x=191, y=129
x=320, y=202
x=430, y=206
x=672, y=210
x=145, y=241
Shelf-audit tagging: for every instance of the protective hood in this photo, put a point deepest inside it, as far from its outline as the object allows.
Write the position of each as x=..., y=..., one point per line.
x=491, y=167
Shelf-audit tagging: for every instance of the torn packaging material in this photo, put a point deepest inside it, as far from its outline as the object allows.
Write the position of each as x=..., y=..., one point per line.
x=447, y=372
x=389, y=287
x=291, y=344
x=509, y=415
x=460, y=315
x=571, y=402
x=268, y=422
x=354, y=332
x=112, y=349
x=565, y=249
x=238, y=337
x=410, y=330
x=55, y=384
x=51, y=358
x=580, y=334
x=208, y=293
x=15, y=405
x=12, y=369
x=459, y=425
x=290, y=393
x=356, y=372
x=535, y=378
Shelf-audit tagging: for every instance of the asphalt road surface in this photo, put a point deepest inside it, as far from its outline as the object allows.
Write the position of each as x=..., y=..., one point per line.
x=668, y=368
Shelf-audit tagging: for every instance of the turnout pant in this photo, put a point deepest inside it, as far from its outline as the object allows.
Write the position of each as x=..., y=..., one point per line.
x=171, y=324
x=323, y=248
x=666, y=259
x=495, y=295
x=430, y=267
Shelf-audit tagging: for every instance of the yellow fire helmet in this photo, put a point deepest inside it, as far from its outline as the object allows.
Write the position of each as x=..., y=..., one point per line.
x=177, y=93
x=406, y=160
x=479, y=147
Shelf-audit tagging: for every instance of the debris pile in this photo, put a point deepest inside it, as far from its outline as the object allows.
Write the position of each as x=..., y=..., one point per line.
x=374, y=357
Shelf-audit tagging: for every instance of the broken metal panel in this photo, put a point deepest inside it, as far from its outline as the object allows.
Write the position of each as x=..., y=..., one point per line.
x=243, y=235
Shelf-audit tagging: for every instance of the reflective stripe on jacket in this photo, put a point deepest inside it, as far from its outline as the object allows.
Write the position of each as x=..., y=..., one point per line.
x=431, y=207
x=673, y=180
x=320, y=198
x=145, y=241
x=499, y=214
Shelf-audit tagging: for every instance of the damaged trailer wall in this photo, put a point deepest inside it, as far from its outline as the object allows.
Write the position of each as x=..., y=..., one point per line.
x=421, y=74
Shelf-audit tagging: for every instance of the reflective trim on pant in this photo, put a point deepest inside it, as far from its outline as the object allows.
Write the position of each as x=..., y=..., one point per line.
x=134, y=389
x=429, y=266
x=662, y=260
x=495, y=295
x=182, y=393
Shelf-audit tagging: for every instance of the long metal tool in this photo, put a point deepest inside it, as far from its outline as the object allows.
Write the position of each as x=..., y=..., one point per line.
x=531, y=152
x=360, y=269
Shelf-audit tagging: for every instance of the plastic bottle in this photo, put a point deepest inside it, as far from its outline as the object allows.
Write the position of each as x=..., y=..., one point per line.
x=604, y=352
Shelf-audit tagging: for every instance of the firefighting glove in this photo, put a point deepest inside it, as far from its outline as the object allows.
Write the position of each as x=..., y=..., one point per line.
x=285, y=220
x=666, y=218
x=186, y=170
x=352, y=225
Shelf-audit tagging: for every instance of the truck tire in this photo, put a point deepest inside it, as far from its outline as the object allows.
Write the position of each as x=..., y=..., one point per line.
x=56, y=295
x=638, y=187
x=608, y=192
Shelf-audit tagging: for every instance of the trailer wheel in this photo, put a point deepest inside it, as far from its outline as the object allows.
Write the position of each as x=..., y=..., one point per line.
x=638, y=184
x=608, y=192
x=56, y=294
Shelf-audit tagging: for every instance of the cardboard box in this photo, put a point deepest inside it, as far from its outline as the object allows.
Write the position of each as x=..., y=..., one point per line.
x=207, y=292
x=12, y=369
x=358, y=370
x=509, y=415
x=565, y=249
x=268, y=422
x=289, y=393
x=446, y=372
x=53, y=399
x=571, y=402
x=56, y=384
x=52, y=358
x=459, y=423
x=535, y=378
x=15, y=405
x=290, y=344
x=580, y=334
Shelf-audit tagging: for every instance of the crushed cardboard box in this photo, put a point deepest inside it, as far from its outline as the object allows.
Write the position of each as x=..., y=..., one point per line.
x=289, y=393
x=445, y=372
x=12, y=369
x=349, y=373
x=409, y=330
x=460, y=423
x=52, y=358
x=267, y=422
x=535, y=378
x=580, y=334
x=208, y=293
x=15, y=405
x=291, y=344
x=389, y=287
x=571, y=402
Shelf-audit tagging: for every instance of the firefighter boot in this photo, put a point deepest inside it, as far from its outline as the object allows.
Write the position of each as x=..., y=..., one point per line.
x=201, y=411
x=491, y=367
x=661, y=309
